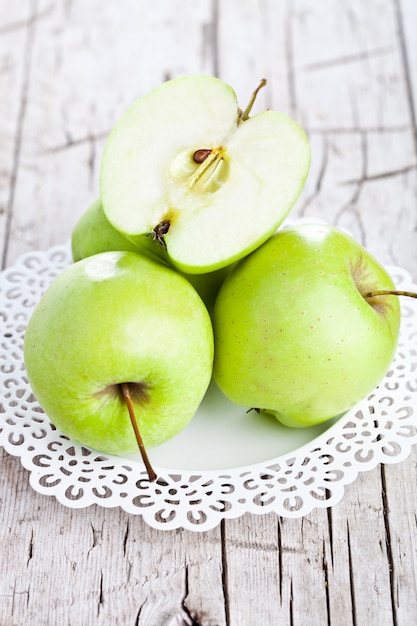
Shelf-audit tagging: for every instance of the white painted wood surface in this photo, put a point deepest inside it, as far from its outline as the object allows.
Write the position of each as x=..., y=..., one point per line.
x=346, y=70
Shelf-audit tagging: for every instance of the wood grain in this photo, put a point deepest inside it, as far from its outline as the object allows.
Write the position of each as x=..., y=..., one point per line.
x=347, y=71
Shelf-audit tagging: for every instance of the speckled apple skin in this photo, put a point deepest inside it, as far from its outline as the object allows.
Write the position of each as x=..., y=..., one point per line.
x=294, y=334
x=111, y=318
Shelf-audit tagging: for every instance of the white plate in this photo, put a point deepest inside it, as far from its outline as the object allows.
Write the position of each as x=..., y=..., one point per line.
x=226, y=462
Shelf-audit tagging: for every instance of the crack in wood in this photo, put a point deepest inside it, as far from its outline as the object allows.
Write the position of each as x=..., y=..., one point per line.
x=330, y=530
x=95, y=541
x=407, y=69
x=15, y=594
x=279, y=544
x=257, y=546
x=325, y=567
x=349, y=58
x=100, y=595
x=94, y=537
x=351, y=583
x=388, y=544
x=215, y=37
x=68, y=8
x=139, y=613
x=125, y=537
x=320, y=177
x=351, y=205
x=73, y=143
x=388, y=174
x=289, y=57
x=225, y=582
x=73, y=563
x=92, y=163
x=358, y=130
x=30, y=551
x=27, y=64
x=21, y=24
x=190, y=618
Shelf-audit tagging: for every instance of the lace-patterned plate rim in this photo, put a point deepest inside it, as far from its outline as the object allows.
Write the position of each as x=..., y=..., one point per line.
x=380, y=429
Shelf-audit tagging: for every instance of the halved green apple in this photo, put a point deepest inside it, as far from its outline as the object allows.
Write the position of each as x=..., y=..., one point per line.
x=188, y=168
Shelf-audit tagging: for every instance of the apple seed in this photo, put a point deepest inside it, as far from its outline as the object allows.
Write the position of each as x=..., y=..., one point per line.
x=208, y=165
x=201, y=155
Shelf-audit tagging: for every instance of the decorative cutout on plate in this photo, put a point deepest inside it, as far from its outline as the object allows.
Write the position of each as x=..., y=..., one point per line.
x=381, y=429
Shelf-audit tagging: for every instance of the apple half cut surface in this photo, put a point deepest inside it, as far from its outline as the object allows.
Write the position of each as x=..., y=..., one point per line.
x=188, y=168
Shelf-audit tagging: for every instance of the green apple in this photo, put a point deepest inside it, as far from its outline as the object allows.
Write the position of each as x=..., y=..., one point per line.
x=93, y=234
x=208, y=285
x=299, y=330
x=113, y=332
x=187, y=168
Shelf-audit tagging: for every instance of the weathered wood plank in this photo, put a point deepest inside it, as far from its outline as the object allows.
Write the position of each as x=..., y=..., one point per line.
x=71, y=107
x=253, y=554
x=368, y=131
x=147, y=577
x=348, y=66
x=100, y=566
x=407, y=21
x=347, y=87
x=400, y=497
x=16, y=26
x=69, y=70
x=252, y=44
x=360, y=555
x=304, y=556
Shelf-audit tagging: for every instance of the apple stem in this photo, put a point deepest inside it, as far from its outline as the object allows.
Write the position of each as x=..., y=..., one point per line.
x=390, y=292
x=128, y=399
x=245, y=114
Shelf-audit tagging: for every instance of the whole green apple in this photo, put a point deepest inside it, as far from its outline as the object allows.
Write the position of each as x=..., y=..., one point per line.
x=93, y=234
x=186, y=167
x=297, y=329
x=112, y=329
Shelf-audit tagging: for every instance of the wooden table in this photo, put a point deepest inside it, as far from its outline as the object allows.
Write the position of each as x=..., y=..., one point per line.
x=346, y=71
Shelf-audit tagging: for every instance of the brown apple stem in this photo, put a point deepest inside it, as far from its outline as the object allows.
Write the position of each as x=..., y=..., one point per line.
x=390, y=292
x=128, y=399
x=245, y=114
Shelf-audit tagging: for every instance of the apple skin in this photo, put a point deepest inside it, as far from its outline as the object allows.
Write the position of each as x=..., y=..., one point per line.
x=294, y=334
x=111, y=318
x=93, y=234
